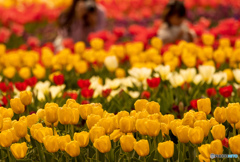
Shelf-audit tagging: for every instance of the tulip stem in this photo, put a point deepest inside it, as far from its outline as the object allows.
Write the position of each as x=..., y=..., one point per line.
x=9, y=156
x=234, y=130
x=27, y=110
x=53, y=128
x=184, y=150
x=155, y=147
x=40, y=152
x=168, y=160
x=75, y=159
x=66, y=129
x=97, y=155
x=129, y=156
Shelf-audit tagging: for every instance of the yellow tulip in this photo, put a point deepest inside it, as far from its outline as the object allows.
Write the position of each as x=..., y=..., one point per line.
x=166, y=149
x=140, y=104
x=126, y=124
x=82, y=138
x=142, y=114
x=1, y=121
x=7, y=113
x=152, y=107
x=81, y=67
x=127, y=143
x=85, y=110
x=196, y=135
x=203, y=159
x=141, y=126
x=25, y=73
x=26, y=97
x=41, y=114
x=103, y=144
x=47, y=56
x=50, y=124
x=233, y=113
x=182, y=133
x=200, y=115
x=205, y=125
x=6, y=138
x=63, y=141
x=219, y=56
x=39, y=72
x=229, y=74
x=32, y=119
x=79, y=47
x=122, y=114
x=165, y=129
x=96, y=132
x=213, y=122
x=234, y=143
x=174, y=124
x=40, y=133
x=204, y=105
x=51, y=143
x=73, y=148
x=156, y=43
x=20, y=128
x=189, y=119
x=142, y=148
x=97, y=44
x=156, y=116
x=19, y=150
x=9, y=72
x=216, y=147
x=224, y=42
x=120, y=73
x=220, y=114
x=92, y=120
x=205, y=150
x=167, y=119
x=7, y=124
x=51, y=112
x=15, y=138
x=17, y=106
x=75, y=116
x=153, y=128
x=218, y=132
x=107, y=124
x=35, y=127
x=208, y=39
x=65, y=115
x=116, y=135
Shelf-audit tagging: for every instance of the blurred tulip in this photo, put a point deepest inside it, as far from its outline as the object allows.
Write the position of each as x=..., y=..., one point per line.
x=85, y=110
x=234, y=143
x=126, y=124
x=51, y=143
x=96, y=132
x=216, y=147
x=220, y=114
x=92, y=120
x=152, y=107
x=153, y=127
x=205, y=125
x=41, y=114
x=174, y=125
x=182, y=133
x=51, y=112
x=6, y=138
x=166, y=149
x=233, y=113
x=116, y=135
x=205, y=150
x=82, y=138
x=63, y=141
x=204, y=105
x=17, y=106
x=196, y=135
x=142, y=148
x=218, y=132
x=26, y=97
x=127, y=143
x=103, y=144
x=20, y=128
x=73, y=149
x=32, y=119
x=19, y=150
x=140, y=104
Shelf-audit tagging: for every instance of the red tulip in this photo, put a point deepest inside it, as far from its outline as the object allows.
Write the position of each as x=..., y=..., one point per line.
x=17, y=29
x=72, y=95
x=83, y=83
x=3, y=87
x=87, y=93
x=58, y=79
x=154, y=82
x=225, y=142
x=84, y=102
x=4, y=35
x=145, y=95
x=106, y=92
x=68, y=43
x=33, y=42
x=31, y=81
x=21, y=86
x=119, y=31
x=193, y=103
x=10, y=86
x=211, y=92
x=226, y=91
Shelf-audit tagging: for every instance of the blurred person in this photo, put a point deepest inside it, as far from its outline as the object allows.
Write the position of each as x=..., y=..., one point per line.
x=82, y=18
x=175, y=26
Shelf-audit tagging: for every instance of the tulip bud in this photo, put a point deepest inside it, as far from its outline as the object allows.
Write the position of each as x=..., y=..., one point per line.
x=126, y=124
x=218, y=132
x=234, y=143
x=127, y=143
x=79, y=47
x=233, y=113
x=142, y=114
x=205, y=150
x=196, y=135
x=107, y=124
x=32, y=119
x=75, y=116
x=142, y=148
x=216, y=147
x=6, y=138
x=103, y=144
x=92, y=120
x=8, y=113
x=182, y=133
x=200, y=115
x=65, y=115
x=85, y=110
x=152, y=107
x=204, y=105
x=41, y=114
x=166, y=149
x=15, y=138
x=141, y=126
x=204, y=124
x=122, y=114
x=17, y=106
x=51, y=143
x=26, y=97
x=153, y=128
x=51, y=111
x=213, y=122
x=82, y=138
x=140, y=105
x=35, y=127
x=50, y=124
x=73, y=148
x=189, y=119
x=41, y=133
x=19, y=150
x=220, y=114
x=97, y=109
x=174, y=124
x=116, y=134
x=7, y=124
x=96, y=132
x=97, y=44
x=167, y=119
x=20, y=128
x=63, y=141
x=9, y=72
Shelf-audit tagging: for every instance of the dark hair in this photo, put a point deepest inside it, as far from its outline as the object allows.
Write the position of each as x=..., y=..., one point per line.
x=66, y=19
x=173, y=8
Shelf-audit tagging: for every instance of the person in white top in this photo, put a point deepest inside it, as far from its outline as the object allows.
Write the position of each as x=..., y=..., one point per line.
x=175, y=27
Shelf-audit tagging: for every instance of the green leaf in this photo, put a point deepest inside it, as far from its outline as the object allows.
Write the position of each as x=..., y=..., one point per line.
x=151, y=157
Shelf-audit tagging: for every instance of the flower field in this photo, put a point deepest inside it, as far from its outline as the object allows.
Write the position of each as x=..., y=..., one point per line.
x=127, y=97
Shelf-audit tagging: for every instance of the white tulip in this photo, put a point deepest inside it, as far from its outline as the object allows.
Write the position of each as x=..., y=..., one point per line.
x=134, y=94
x=220, y=78
x=197, y=79
x=115, y=92
x=188, y=74
x=111, y=63
x=140, y=73
x=126, y=82
x=164, y=71
x=206, y=72
x=56, y=91
x=236, y=73
x=175, y=79
x=113, y=84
